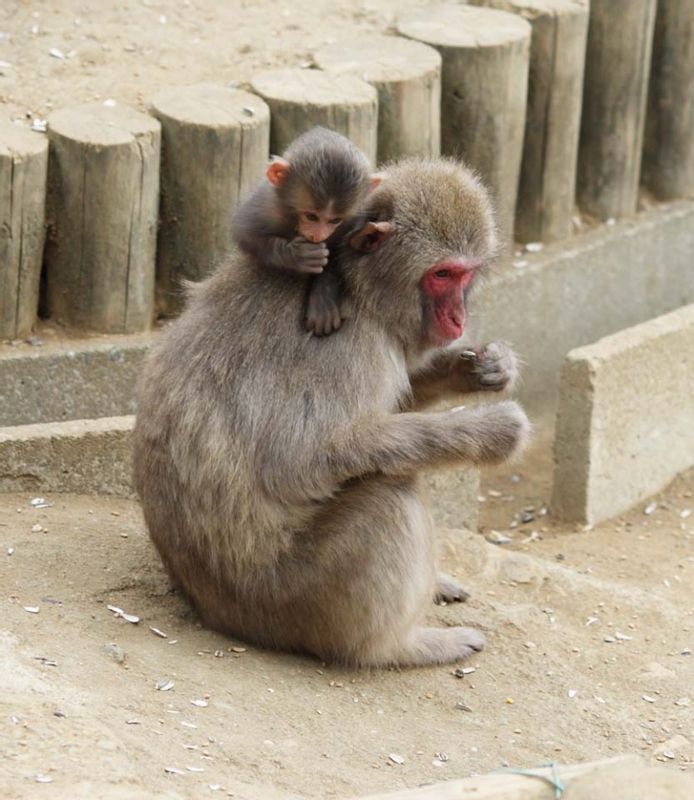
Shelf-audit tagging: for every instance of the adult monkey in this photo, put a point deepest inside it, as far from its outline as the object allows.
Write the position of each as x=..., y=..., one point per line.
x=279, y=472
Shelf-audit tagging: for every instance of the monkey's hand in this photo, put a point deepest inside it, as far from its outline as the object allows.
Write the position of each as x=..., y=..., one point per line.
x=492, y=433
x=491, y=368
x=300, y=256
x=324, y=309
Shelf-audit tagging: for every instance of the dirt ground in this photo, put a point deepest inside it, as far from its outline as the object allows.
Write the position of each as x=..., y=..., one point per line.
x=590, y=637
x=127, y=49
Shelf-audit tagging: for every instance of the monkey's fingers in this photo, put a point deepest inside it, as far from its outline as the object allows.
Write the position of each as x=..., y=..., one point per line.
x=493, y=381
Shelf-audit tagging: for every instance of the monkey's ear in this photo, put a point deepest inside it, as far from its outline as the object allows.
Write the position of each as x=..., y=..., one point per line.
x=277, y=171
x=371, y=236
x=375, y=179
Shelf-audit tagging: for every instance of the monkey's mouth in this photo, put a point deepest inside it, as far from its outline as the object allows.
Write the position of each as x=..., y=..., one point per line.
x=450, y=325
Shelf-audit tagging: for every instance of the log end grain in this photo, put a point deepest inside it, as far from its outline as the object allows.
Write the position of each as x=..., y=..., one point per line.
x=463, y=27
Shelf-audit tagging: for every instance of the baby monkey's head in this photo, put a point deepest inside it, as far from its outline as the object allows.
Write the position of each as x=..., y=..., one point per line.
x=321, y=180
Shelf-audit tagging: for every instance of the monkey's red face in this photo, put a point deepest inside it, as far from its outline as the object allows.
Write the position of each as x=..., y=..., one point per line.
x=317, y=226
x=443, y=288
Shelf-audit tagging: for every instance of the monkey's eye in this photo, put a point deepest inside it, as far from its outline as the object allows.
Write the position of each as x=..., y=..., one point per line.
x=335, y=221
x=442, y=273
x=311, y=217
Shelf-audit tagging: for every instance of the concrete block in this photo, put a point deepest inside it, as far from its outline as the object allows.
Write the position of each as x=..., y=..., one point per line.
x=625, y=425
x=83, y=456
x=70, y=379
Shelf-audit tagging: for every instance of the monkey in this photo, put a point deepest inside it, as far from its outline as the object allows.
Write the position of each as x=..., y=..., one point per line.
x=279, y=474
x=285, y=223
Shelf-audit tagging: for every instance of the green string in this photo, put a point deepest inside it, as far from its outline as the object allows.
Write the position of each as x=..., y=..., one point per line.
x=554, y=780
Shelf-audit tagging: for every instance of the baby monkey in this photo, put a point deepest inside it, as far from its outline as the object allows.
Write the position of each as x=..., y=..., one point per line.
x=319, y=182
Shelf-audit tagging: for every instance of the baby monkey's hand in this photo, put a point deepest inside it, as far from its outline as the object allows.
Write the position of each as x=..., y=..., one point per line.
x=301, y=256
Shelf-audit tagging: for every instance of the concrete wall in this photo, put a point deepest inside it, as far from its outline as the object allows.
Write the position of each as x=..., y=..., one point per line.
x=625, y=425
x=573, y=293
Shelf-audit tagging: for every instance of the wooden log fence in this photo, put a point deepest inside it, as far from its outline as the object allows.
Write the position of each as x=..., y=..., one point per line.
x=407, y=76
x=499, y=83
x=23, y=165
x=482, y=119
x=103, y=194
x=215, y=146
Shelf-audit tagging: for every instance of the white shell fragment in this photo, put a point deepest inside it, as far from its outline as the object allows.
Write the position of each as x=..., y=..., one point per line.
x=200, y=703
x=174, y=771
x=56, y=53
x=650, y=508
x=120, y=613
x=195, y=769
x=648, y=698
x=534, y=247
x=40, y=502
x=396, y=758
x=32, y=609
x=165, y=685
x=43, y=779
x=157, y=632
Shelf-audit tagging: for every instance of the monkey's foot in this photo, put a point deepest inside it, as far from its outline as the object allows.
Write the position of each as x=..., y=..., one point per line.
x=449, y=590
x=440, y=646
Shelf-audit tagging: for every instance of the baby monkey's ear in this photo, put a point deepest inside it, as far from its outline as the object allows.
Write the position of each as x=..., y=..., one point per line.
x=277, y=171
x=371, y=236
x=375, y=180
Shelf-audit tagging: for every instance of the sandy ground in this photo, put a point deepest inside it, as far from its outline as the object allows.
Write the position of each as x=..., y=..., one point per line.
x=590, y=635
x=127, y=49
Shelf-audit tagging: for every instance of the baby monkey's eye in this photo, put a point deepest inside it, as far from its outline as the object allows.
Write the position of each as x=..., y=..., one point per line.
x=311, y=217
x=335, y=221
x=443, y=273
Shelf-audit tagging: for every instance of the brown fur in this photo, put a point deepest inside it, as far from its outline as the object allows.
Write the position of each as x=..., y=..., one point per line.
x=279, y=472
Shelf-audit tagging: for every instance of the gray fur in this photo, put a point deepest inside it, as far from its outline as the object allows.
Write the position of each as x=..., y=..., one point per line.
x=278, y=472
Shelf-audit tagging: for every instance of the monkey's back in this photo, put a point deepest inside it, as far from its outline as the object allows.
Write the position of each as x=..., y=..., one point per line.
x=236, y=402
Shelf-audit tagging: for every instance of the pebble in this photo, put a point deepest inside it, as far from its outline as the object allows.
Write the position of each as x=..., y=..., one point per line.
x=43, y=779
x=463, y=706
x=200, y=703
x=396, y=758
x=32, y=609
x=496, y=537
x=534, y=247
x=165, y=685
x=648, y=698
x=650, y=508
x=112, y=650
x=56, y=53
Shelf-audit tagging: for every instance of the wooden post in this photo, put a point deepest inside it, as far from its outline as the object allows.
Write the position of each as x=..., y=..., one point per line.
x=215, y=145
x=302, y=98
x=407, y=76
x=668, y=158
x=103, y=193
x=618, y=56
x=555, y=88
x=23, y=164
x=484, y=90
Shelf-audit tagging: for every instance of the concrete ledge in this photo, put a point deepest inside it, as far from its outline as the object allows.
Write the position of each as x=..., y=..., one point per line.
x=625, y=425
x=70, y=379
x=83, y=456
